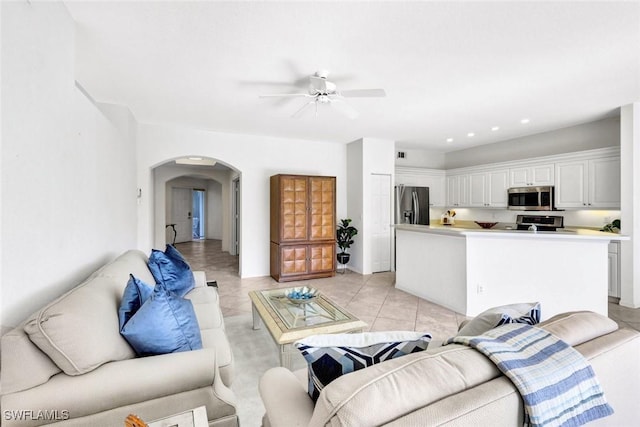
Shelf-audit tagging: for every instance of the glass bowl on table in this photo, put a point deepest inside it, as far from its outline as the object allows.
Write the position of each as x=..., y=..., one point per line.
x=301, y=295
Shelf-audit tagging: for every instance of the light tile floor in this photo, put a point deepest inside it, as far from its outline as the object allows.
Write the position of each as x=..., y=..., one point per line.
x=371, y=298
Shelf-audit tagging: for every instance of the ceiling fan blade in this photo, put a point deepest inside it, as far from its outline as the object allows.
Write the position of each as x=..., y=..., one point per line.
x=279, y=95
x=297, y=113
x=363, y=93
x=341, y=106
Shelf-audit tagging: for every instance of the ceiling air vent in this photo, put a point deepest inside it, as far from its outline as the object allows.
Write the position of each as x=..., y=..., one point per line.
x=401, y=154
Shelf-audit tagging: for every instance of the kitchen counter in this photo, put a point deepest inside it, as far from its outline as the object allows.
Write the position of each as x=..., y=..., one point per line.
x=469, y=269
x=468, y=228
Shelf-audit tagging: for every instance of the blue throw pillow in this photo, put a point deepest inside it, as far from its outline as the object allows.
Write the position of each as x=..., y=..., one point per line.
x=135, y=294
x=165, y=323
x=171, y=269
x=330, y=356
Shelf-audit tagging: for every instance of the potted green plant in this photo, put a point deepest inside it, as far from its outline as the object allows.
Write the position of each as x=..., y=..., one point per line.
x=344, y=237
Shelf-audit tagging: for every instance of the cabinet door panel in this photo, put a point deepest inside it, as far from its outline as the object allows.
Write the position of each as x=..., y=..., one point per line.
x=520, y=177
x=323, y=223
x=322, y=258
x=543, y=175
x=604, y=182
x=498, y=183
x=463, y=190
x=293, y=260
x=570, y=184
x=452, y=191
x=477, y=188
x=294, y=208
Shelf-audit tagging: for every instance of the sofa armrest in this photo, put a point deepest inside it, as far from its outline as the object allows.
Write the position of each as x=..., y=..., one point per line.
x=200, y=278
x=126, y=382
x=284, y=398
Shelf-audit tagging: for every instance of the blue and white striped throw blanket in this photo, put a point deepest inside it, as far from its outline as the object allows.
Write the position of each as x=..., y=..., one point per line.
x=557, y=384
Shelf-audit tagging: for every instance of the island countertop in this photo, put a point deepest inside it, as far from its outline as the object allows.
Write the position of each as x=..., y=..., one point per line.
x=470, y=269
x=466, y=229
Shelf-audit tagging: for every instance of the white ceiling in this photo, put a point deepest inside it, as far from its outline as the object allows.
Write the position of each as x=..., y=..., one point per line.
x=449, y=68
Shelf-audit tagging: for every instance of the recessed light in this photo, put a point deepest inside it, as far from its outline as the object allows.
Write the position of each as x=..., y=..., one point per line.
x=449, y=139
x=471, y=134
x=495, y=128
x=194, y=158
x=524, y=121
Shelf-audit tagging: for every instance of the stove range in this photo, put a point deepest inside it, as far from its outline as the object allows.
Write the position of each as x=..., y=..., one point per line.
x=539, y=222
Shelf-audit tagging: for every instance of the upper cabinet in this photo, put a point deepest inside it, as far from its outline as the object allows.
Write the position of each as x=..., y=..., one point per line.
x=588, y=183
x=434, y=179
x=458, y=190
x=489, y=189
x=582, y=180
x=531, y=175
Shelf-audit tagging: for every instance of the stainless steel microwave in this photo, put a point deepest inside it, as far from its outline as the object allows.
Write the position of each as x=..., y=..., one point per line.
x=531, y=198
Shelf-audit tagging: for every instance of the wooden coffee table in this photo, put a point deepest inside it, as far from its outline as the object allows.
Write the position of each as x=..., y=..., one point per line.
x=288, y=322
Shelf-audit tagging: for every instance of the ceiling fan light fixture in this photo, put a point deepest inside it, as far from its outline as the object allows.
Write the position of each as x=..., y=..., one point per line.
x=323, y=91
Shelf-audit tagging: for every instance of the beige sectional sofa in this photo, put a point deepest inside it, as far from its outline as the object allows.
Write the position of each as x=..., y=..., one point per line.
x=83, y=373
x=454, y=385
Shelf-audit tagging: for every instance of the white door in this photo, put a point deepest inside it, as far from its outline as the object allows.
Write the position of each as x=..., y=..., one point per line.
x=380, y=223
x=181, y=204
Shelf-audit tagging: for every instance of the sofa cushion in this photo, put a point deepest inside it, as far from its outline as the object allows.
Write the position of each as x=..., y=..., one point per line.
x=131, y=262
x=135, y=294
x=330, y=356
x=165, y=323
x=23, y=364
x=528, y=313
x=79, y=331
x=578, y=327
x=387, y=391
x=171, y=269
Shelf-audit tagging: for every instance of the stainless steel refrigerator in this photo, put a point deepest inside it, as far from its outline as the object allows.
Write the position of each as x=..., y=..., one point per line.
x=412, y=205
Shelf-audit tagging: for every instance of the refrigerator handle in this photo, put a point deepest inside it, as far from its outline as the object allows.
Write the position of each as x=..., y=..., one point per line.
x=416, y=208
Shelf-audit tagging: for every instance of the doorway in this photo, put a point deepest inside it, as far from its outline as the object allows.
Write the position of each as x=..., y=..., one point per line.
x=199, y=216
x=181, y=216
x=234, y=247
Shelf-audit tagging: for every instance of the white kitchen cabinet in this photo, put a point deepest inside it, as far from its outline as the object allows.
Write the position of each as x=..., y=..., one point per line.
x=458, y=190
x=614, y=269
x=532, y=175
x=591, y=183
x=432, y=178
x=488, y=189
x=604, y=183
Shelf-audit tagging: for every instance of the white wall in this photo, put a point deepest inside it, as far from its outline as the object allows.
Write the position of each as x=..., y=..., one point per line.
x=366, y=156
x=630, y=222
x=68, y=174
x=215, y=208
x=598, y=134
x=421, y=158
x=256, y=158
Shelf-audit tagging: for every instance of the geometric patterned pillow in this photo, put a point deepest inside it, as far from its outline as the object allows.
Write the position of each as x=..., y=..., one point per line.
x=528, y=313
x=331, y=355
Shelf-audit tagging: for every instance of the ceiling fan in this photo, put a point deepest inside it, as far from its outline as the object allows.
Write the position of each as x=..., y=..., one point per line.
x=323, y=91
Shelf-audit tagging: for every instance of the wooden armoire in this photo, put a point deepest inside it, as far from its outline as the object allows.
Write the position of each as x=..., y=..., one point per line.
x=303, y=227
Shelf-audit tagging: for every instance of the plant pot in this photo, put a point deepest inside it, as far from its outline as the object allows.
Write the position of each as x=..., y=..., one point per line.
x=343, y=257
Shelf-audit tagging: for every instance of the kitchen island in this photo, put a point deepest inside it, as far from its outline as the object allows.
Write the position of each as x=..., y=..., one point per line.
x=470, y=270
